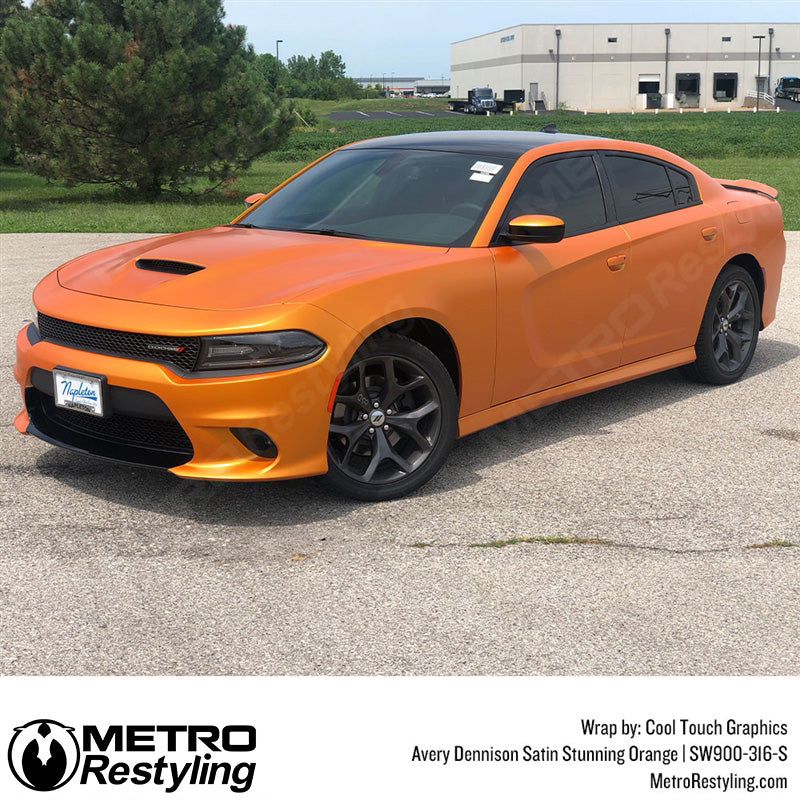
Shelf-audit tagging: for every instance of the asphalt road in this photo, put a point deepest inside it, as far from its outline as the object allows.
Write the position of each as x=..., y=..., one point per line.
x=343, y=115
x=785, y=105
x=109, y=570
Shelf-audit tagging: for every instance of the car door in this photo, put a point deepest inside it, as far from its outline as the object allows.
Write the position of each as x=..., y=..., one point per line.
x=561, y=307
x=677, y=249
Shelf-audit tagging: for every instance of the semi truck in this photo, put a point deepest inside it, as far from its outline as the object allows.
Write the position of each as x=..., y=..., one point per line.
x=788, y=88
x=480, y=101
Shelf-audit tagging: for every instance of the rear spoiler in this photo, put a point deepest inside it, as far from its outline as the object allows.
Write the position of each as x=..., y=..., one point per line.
x=751, y=186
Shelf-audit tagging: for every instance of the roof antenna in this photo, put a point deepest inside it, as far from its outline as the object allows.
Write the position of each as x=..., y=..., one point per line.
x=550, y=128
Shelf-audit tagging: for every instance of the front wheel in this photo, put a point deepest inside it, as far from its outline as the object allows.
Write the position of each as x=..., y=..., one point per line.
x=729, y=331
x=393, y=422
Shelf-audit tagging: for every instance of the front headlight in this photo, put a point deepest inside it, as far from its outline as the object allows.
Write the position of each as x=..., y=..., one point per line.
x=254, y=350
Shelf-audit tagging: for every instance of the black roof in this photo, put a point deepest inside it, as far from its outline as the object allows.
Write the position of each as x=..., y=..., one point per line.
x=499, y=143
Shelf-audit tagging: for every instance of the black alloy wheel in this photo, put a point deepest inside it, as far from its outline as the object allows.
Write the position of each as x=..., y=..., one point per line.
x=729, y=332
x=393, y=422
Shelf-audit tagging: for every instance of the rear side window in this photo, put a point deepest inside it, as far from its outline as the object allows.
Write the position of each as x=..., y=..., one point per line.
x=568, y=188
x=645, y=188
x=682, y=187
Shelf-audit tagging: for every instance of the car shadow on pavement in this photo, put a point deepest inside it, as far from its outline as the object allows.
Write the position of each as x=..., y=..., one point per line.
x=586, y=415
x=291, y=503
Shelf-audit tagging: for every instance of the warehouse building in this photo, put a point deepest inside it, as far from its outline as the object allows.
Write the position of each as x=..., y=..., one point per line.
x=629, y=66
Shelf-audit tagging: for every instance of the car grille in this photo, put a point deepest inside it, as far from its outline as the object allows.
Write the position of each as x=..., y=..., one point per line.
x=138, y=440
x=160, y=433
x=182, y=351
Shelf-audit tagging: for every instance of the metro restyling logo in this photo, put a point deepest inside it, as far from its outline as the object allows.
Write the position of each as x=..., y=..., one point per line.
x=45, y=755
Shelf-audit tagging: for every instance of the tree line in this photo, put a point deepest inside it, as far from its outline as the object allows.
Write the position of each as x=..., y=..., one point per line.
x=320, y=78
x=149, y=95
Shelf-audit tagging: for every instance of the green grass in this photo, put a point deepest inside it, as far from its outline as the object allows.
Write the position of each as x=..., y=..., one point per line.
x=542, y=540
x=29, y=204
x=692, y=136
x=772, y=543
x=762, y=147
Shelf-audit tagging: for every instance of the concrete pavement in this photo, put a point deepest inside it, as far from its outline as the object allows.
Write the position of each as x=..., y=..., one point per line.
x=109, y=570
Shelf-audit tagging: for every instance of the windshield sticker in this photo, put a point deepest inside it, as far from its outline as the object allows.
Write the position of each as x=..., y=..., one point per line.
x=480, y=176
x=486, y=167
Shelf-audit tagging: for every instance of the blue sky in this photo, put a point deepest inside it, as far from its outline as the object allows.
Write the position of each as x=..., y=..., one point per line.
x=412, y=38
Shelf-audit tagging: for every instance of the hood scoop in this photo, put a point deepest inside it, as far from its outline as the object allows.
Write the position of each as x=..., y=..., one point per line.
x=172, y=267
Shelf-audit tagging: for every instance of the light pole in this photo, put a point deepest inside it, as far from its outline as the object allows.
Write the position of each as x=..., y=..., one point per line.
x=769, y=67
x=758, y=74
x=558, y=61
x=277, y=50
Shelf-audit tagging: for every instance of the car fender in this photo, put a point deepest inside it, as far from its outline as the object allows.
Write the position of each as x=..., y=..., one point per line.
x=456, y=291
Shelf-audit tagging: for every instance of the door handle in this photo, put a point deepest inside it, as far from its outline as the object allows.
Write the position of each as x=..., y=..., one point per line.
x=616, y=263
x=709, y=234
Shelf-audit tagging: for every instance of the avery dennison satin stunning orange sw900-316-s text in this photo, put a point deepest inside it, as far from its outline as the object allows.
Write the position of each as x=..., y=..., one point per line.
x=394, y=295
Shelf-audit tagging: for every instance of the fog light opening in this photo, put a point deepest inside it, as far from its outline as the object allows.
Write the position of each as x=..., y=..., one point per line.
x=256, y=441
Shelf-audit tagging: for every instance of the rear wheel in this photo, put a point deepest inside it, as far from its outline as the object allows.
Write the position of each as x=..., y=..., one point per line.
x=729, y=331
x=393, y=422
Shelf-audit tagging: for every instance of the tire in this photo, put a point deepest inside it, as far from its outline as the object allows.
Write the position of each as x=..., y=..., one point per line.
x=729, y=331
x=393, y=422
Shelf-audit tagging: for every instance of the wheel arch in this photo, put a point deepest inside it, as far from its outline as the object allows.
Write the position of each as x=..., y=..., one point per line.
x=750, y=263
x=429, y=334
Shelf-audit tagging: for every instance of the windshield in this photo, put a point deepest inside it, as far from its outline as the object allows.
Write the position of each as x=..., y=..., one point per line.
x=483, y=93
x=414, y=196
x=790, y=83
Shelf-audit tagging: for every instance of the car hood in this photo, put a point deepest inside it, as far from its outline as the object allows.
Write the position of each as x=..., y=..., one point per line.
x=239, y=267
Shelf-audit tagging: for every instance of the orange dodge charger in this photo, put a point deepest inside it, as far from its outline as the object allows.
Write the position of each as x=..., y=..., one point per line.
x=395, y=294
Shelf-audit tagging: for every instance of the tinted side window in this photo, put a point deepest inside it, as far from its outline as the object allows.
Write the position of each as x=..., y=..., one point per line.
x=568, y=188
x=682, y=187
x=641, y=188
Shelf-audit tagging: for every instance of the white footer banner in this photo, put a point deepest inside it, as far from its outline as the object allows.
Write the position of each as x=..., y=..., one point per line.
x=342, y=737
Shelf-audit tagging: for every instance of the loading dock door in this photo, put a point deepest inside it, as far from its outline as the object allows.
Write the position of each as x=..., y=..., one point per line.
x=649, y=84
x=725, y=85
x=687, y=89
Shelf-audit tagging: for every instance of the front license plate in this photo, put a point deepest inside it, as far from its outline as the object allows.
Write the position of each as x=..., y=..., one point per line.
x=78, y=392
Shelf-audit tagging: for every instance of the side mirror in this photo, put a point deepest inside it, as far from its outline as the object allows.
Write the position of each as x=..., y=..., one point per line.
x=253, y=199
x=540, y=228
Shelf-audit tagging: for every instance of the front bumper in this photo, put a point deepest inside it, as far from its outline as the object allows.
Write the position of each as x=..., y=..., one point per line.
x=157, y=407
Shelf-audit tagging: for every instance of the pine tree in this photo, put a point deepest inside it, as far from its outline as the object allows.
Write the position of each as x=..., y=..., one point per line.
x=144, y=93
x=7, y=8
